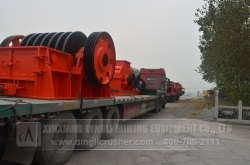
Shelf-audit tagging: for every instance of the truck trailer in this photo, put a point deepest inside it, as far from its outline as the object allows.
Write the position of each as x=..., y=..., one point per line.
x=63, y=79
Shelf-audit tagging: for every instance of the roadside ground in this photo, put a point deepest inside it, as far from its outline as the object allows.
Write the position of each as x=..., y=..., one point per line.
x=212, y=143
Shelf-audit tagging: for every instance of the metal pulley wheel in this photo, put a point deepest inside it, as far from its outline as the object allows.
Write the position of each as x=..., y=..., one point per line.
x=53, y=39
x=61, y=39
x=99, y=58
x=27, y=39
x=69, y=42
x=38, y=39
x=12, y=41
x=46, y=39
x=73, y=42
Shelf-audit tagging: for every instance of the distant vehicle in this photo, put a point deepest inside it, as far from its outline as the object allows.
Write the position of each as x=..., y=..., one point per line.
x=174, y=91
x=154, y=80
x=208, y=93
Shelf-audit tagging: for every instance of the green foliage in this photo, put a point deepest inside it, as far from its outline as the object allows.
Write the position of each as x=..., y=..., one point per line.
x=225, y=46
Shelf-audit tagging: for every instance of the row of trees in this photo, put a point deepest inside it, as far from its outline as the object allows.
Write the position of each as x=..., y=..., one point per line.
x=225, y=46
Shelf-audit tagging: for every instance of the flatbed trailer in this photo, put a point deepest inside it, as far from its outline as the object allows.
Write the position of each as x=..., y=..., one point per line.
x=61, y=90
x=15, y=110
x=13, y=106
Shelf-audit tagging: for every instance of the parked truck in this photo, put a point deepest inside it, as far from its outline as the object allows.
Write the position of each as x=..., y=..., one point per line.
x=174, y=91
x=67, y=79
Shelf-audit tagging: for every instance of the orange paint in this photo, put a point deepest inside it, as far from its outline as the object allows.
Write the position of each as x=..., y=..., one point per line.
x=45, y=73
x=120, y=84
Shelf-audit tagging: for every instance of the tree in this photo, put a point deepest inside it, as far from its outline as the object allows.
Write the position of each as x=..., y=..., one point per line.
x=225, y=46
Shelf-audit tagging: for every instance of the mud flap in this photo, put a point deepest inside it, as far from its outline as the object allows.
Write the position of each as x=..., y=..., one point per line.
x=22, y=143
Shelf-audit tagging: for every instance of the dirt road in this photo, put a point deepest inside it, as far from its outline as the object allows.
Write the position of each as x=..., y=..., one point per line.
x=216, y=144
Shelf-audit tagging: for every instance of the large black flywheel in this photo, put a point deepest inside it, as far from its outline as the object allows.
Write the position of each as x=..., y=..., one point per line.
x=99, y=58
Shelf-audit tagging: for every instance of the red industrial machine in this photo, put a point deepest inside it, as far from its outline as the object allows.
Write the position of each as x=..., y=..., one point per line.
x=153, y=80
x=124, y=80
x=57, y=65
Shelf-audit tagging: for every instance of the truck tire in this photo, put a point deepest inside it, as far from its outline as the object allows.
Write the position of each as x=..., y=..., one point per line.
x=2, y=141
x=158, y=106
x=53, y=150
x=164, y=105
x=173, y=99
x=111, y=123
x=2, y=149
x=170, y=99
x=91, y=125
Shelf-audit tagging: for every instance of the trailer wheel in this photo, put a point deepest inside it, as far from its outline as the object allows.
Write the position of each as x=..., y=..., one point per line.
x=57, y=146
x=91, y=125
x=172, y=99
x=2, y=141
x=158, y=106
x=111, y=123
x=164, y=105
x=2, y=149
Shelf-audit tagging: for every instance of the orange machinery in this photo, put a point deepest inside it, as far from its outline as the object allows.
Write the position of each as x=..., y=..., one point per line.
x=124, y=80
x=57, y=65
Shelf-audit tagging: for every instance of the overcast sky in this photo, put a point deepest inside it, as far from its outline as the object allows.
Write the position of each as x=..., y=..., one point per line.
x=149, y=33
